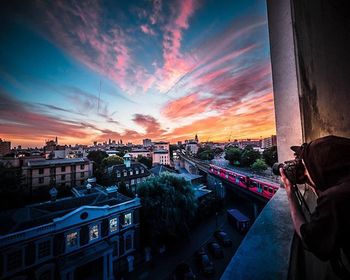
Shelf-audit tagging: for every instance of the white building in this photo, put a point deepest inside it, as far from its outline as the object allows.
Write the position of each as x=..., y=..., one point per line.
x=161, y=153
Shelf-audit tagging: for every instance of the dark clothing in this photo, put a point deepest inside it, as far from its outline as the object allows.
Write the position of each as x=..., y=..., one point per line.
x=328, y=232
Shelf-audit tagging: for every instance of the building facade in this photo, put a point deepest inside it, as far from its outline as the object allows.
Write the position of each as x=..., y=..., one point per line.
x=147, y=142
x=5, y=147
x=91, y=235
x=130, y=173
x=269, y=142
x=135, y=153
x=161, y=153
x=57, y=172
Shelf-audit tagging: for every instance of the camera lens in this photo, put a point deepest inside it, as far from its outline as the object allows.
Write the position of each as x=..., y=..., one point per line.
x=276, y=168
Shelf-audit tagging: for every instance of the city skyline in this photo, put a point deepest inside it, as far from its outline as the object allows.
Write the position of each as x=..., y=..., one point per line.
x=143, y=69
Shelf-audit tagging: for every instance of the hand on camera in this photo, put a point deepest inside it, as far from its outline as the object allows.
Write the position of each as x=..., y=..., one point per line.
x=287, y=184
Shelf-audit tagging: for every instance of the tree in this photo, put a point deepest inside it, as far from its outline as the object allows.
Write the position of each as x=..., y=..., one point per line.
x=111, y=160
x=146, y=161
x=270, y=155
x=10, y=179
x=168, y=208
x=97, y=156
x=123, y=189
x=233, y=155
x=249, y=156
x=259, y=165
x=206, y=155
x=218, y=151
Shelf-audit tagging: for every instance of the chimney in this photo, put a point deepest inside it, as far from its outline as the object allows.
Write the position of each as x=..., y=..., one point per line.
x=127, y=160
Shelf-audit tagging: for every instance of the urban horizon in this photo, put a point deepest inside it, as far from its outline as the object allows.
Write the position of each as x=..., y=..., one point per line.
x=158, y=70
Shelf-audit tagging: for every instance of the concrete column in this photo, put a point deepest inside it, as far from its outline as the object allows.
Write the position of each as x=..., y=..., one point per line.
x=255, y=210
x=110, y=266
x=284, y=74
x=130, y=260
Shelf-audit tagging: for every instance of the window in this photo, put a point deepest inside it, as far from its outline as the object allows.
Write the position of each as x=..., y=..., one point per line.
x=94, y=232
x=63, y=177
x=82, y=166
x=127, y=219
x=63, y=169
x=137, y=171
x=44, y=249
x=128, y=241
x=113, y=225
x=118, y=174
x=82, y=174
x=142, y=170
x=131, y=172
x=41, y=180
x=41, y=170
x=72, y=240
x=132, y=181
x=125, y=173
x=14, y=260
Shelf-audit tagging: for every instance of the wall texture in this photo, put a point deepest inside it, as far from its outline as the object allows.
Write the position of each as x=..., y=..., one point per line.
x=322, y=38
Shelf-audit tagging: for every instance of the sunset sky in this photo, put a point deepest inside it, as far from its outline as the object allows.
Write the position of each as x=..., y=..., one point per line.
x=167, y=69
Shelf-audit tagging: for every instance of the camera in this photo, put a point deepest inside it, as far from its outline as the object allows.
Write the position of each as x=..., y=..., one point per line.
x=294, y=170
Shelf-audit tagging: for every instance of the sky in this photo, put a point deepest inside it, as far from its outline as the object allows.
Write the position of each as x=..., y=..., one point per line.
x=89, y=71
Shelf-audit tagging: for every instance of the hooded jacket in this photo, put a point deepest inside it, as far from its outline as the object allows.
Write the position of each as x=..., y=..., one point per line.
x=327, y=233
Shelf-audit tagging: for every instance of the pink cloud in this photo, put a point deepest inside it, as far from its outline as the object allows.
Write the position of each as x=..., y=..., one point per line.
x=147, y=30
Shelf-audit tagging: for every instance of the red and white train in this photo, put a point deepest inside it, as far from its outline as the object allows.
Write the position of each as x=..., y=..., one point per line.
x=258, y=186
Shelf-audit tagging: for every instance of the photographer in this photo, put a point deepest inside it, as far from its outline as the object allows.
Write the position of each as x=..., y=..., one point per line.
x=326, y=166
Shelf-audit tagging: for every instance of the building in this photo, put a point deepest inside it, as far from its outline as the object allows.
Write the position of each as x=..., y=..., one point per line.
x=192, y=147
x=147, y=142
x=59, y=172
x=93, y=234
x=5, y=147
x=135, y=153
x=161, y=153
x=131, y=173
x=269, y=142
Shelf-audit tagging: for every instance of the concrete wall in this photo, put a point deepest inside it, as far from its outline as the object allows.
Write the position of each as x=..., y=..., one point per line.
x=322, y=36
x=284, y=76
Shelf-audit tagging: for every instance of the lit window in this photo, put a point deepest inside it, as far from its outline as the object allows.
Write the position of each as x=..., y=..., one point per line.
x=137, y=171
x=118, y=174
x=14, y=260
x=44, y=249
x=127, y=219
x=131, y=172
x=132, y=181
x=142, y=170
x=94, y=232
x=125, y=173
x=72, y=240
x=138, y=180
x=113, y=225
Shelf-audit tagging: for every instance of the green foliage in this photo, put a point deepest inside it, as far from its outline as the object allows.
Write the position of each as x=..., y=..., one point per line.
x=111, y=160
x=218, y=151
x=123, y=189
x=233, y=155
x=206, y=155
x=168, y=208
x=259, y=165
x=10, y=179
x=97, y=156
x=270, y=155
x=249, y=156
x=146, y=161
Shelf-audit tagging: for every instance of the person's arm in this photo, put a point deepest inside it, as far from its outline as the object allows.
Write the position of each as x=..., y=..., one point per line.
x=297, y=216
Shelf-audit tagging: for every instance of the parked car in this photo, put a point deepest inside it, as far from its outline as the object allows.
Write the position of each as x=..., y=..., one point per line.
x=205, y=265
x=223, y=238
x=183, y=272
x=216, y=250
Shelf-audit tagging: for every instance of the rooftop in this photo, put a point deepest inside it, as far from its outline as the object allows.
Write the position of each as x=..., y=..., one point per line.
x=43, y=213
x=64, y=161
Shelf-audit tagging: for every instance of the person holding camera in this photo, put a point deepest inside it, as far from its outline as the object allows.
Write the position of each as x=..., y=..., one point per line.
x=324, y=164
